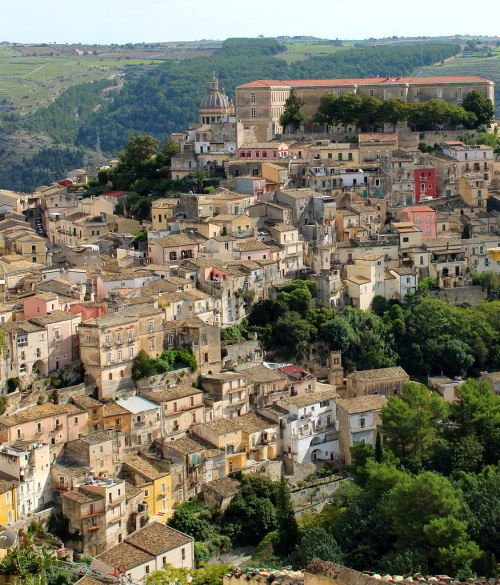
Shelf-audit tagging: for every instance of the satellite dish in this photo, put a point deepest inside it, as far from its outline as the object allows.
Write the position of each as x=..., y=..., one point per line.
x=8, y=538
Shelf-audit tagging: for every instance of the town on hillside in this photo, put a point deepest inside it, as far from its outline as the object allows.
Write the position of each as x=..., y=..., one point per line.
x=282, y=363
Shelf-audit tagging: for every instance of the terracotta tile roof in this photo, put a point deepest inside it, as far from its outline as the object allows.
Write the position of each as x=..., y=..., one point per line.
x=38, y=412
x=156, y=539
x=55, y=317
x=380, y=374
x=364, y=81
x=282, y=227
x=144, y=467
x=361, y=403
x=378, y=137
x=188, y=445
x=86, y=402
x=262, y=374
x=114, y=410
x=180, y=240
x=125, y=556
x=225, y=487
x=82, y=496
x=222, y=426
x=162, y=396
x=311, y=398
x=252, y=423
x=251, y=245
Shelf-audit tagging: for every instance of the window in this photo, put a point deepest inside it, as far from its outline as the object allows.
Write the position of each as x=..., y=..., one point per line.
x=146, y=493
x=146, y=570
x=371, y=93
x=151, y=345
x=253, y=98
x=108, y=359
x=130, y=334
x=253, y=113
x=406, y=239
x=119, y=337
x=151, y=327
x=131, y=353
x=120, y=355
x=362, y=422
x=76, y=420
x=106, y=338
x=183, y=554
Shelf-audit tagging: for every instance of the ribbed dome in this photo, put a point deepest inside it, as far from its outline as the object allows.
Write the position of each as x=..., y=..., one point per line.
x=215, y=99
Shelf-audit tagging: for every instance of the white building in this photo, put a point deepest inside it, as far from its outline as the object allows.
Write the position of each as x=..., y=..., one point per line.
x=358, y=419
x=146, y=421
x=148, y=550
x=29, y=463
x=310, y=431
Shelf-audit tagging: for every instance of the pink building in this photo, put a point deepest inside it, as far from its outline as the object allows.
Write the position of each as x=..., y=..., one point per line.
x=423, y=217
x=40, y=304
x=88, y=310
x=253, y=250
x=62, y=337
x=48, y=423
x=264, y=150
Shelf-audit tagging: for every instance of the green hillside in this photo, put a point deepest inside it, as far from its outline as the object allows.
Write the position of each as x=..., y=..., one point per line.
x=471, y=64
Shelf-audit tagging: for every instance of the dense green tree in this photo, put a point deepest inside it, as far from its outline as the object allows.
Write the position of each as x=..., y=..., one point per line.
x=480, y=106
x=410, y=423
x=291, y=334
x=369, y=114
x=248, y=519
x=393, y=111
x=477, y=414
x=315, y=543
x=288, y=534
x=139, y=149
x=188, y=519
x=266, y=311
x=293, y=116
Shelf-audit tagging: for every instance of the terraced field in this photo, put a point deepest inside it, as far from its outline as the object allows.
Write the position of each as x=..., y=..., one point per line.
x=488, y=67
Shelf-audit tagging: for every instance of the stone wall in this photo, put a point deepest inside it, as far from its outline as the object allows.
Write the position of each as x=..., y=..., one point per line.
x=180, y=376
x=472, y=295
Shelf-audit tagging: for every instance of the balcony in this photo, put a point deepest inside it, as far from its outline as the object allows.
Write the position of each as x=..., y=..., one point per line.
x=139, y=424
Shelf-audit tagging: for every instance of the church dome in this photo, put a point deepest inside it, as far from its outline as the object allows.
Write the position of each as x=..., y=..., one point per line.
x=216, y=103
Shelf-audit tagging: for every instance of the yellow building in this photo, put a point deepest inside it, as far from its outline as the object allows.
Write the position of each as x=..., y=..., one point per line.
x=8, y=505
x=473, y=189
x=161, y=211
x=105, y=416
x=228, y=436
x=154, y=479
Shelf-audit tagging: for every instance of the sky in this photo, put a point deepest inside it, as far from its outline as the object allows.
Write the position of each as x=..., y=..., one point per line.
x=136, y=21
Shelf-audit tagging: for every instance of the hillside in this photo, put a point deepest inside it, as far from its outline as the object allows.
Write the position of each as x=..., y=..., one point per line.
x=71, y=95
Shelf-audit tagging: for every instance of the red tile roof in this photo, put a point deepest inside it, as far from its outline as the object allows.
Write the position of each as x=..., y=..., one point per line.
x=367, y=81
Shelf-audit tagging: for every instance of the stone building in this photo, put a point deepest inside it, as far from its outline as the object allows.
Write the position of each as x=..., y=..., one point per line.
x=260, y=103
x=386, y=381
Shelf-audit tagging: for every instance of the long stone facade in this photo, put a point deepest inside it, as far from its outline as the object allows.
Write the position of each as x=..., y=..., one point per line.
x=260, y=103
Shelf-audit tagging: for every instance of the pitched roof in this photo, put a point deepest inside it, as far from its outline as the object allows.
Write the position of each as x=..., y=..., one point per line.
x=161, y=396
x=125, y=556
x=224, y=487
x=38, y=412
x=252, y=422
x=361, y=403
x=379, y=374
x=263, y=374
x=144, y=467
x=365, y=81
x=310, y=398
x=156, y=538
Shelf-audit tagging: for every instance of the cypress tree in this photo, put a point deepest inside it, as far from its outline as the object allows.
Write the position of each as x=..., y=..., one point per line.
x=288, y=530
x=378, y=449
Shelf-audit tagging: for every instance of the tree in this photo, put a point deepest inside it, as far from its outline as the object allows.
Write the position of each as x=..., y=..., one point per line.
x=338, y=333
x=187, y=519
x=143, y=366
x=369, y=114
x=348, y=108
x=293, y=117
x=288, y=530
x=139, y=149
x=432, y=499
x=290, y=334
x=315, y=543
x=169, y=149
x=410, y=422
x=482, y=107
x=393, y=111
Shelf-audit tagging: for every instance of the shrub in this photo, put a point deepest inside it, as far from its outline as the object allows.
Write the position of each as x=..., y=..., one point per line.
x=13, y=384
